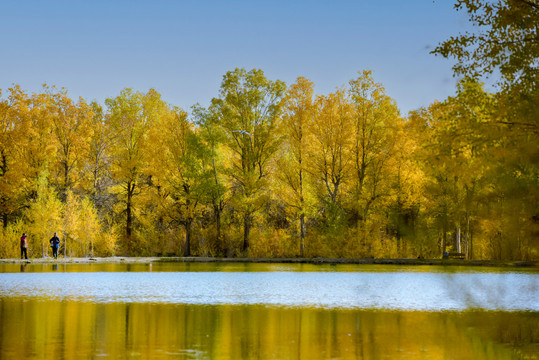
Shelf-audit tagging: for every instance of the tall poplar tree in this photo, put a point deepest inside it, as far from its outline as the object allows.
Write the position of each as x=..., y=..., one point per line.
x=375, y=122
x=298, y=117
x=249, y=107
x=133, y=115
x=72, y=131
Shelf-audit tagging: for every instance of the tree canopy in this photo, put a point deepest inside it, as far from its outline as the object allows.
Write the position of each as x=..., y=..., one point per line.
x=271, y=170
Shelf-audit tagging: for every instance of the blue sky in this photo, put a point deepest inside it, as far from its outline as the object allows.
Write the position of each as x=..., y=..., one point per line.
x=95, y=48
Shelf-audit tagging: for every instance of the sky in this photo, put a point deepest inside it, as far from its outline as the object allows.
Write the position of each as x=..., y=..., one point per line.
x=182, y=49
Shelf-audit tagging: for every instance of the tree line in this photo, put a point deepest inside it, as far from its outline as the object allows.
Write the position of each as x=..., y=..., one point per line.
x=273, y=170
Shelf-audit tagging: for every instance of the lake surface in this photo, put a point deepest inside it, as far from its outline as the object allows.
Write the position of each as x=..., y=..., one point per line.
x=267, y=311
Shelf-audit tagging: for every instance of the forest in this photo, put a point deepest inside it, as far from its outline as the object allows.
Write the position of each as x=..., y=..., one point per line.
x=275, y=170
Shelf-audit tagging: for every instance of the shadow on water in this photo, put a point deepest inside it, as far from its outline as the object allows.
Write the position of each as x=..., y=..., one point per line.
x=508, y=291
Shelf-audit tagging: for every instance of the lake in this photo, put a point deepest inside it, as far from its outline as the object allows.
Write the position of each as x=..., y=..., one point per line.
x=267, y=311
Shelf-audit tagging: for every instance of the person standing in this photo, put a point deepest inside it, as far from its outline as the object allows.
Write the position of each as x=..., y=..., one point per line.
x=24, y=246
x=55, y=244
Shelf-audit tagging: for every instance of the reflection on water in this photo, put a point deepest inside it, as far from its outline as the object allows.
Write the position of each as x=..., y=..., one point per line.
x=65, y=329
x=261, y=311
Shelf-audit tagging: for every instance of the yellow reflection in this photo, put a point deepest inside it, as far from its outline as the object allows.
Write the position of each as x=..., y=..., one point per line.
x=72, y=330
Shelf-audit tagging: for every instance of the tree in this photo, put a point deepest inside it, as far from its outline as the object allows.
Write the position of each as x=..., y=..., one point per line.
x=375, y=120
x=72, y=131
x=506, y=42
x=132, y=117
x=404, y=206
x=506, y=45
x=298, y=117
x=329, y=162
x=98, y=161
x=189, y=182
x=81, y=226
x=213, y=137
x=12, y=169
x=249, y=107
x=44, y=214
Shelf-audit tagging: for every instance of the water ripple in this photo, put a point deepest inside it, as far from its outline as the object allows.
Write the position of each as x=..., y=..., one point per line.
x=377, y=290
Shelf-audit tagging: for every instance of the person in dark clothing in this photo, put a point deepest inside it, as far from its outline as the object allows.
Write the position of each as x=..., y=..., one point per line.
x=55, y=244
x=24, y=247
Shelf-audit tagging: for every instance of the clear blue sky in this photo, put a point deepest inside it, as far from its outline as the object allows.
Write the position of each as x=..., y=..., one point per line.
x=95, y=48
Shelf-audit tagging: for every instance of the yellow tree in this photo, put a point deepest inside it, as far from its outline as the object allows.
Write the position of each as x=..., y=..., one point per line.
x=71, y=223
x=404, y=206
x=44, y=216
x=12, y=181
x=298, y=116
x=186, y=178
x=454, y=157
x=81, y=226
x=329, y=152
x=27, y=148
x=72, y=130
x=437, y=195
x=375, y=119
x=98, y=161
x=249, y=108
x=37, y=146
x=90, y=230
x=466, y=154
x=132, y=117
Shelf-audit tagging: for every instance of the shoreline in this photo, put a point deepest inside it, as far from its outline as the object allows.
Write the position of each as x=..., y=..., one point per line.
x=315, y=261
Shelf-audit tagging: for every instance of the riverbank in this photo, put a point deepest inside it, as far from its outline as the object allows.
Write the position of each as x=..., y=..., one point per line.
x=330, y=261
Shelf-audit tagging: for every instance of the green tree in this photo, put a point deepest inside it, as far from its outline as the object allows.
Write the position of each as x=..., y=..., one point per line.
x=506, y=46
x=506, y=41
x=188, y=180
x=212, y=135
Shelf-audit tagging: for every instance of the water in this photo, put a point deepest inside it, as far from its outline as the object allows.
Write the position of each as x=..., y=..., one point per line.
x=267, y=311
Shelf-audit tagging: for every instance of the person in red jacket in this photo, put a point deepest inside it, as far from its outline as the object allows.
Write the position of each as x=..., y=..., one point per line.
x=24, y=246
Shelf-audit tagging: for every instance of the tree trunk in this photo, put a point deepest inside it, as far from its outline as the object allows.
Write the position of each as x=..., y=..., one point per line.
x=3, y=169
x=399, y=242
x=66, y=181
x=459, y=250
x=187, y=249
x=467, y=239
x=246, y=230
x=217, y=219
x=302, y=204
x=471, y=246
x=129, y=210
x=302, y=235
x=444, y=239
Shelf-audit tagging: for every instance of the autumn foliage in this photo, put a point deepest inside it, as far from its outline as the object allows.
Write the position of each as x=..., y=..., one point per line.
x=268, y=170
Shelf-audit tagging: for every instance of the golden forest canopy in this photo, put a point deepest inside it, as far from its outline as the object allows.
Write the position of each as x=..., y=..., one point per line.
x=269, y=170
